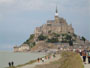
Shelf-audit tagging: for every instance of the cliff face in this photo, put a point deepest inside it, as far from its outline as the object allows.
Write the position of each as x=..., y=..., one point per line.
x=52, y=35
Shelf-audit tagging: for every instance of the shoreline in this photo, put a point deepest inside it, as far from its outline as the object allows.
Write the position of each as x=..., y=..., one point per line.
x=59, y=61
x=35, y=62
x=19, y=58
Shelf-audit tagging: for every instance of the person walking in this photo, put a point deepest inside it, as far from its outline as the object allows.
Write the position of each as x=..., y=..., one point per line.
x=43, y=59
x=54, y=55
x=80, y=51
x=12, y=63
x=9, y=64
x=89, y=57
x=84, y=56
x=38, y=59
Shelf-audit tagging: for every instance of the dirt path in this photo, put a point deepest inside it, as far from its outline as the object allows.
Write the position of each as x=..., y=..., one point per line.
x=40, y=63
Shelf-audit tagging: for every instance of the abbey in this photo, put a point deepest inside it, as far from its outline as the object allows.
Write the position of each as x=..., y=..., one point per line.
x=59, y=25
x=51, y=35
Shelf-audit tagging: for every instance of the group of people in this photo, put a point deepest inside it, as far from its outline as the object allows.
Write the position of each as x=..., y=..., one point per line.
x=11, y=64
x=46, y=58
x=86, y=54
x=83, y=52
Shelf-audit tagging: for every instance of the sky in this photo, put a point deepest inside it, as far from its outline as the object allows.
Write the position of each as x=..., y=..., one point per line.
x=19, y=18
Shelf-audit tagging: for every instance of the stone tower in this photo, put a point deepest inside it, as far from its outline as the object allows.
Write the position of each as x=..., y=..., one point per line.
x=57, y=16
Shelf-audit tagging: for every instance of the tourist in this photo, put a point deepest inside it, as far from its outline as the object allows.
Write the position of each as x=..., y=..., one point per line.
x=80, y=51
x=46, y=57
x=54, y=55
x=77, y=51
x=9, y=64
x=74, y=50
x=43, y=59
x=89, y=56
x=61, y=49
x=84, y=56
x=12, y=63
x=38, y=59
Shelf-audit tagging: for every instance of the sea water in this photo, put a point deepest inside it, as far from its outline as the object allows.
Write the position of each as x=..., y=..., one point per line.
x=17, y=58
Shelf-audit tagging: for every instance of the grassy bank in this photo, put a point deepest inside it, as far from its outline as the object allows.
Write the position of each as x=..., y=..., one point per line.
x=71, y=60
x=68, y=60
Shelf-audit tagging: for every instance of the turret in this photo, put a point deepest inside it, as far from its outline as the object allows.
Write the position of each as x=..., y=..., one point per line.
x=56, y=16
x=56, y=13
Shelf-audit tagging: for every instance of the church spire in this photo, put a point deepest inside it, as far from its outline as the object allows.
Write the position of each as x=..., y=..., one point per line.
x=56, y=13
x=56, y=10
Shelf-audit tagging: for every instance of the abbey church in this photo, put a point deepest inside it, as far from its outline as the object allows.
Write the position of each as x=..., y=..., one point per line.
x=43, y=38
x=59, y=25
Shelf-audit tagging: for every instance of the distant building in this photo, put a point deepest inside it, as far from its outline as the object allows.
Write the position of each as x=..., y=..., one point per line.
x=59, y=25
x=22, y=48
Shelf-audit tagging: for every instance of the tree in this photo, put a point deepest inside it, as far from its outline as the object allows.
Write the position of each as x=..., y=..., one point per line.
x=53, y=40
x=71, y=43
x=30, y=38
x=68, y=37
x=84, y=39
x=42, y=37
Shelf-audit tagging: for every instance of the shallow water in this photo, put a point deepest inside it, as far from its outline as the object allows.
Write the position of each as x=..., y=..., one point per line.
x=18, y=58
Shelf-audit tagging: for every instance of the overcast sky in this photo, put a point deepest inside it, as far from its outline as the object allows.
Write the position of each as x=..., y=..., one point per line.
x=18, y=18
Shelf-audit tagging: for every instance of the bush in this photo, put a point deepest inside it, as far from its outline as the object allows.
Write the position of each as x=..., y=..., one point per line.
x=30, y=38
x=53, y=40
x=68, y=37
x=31, y=45
x=56, y=35
x=42, y=37
x=71, y=43
x=74, y=35
x=83, y=38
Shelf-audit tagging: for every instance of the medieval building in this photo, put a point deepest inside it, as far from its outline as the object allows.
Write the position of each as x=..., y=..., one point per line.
x=59, y=25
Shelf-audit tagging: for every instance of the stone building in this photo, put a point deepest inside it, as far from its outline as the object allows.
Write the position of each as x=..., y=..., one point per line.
x=59, y=25
x=22, y=48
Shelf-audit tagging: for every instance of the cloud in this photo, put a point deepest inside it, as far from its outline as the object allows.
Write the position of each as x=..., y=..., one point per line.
x=16, y=5
x=16, y=17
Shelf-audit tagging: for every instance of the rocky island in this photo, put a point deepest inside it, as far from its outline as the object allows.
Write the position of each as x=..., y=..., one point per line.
x=52, y=36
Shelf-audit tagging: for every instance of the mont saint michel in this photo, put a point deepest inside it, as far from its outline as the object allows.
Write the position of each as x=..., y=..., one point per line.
x=53, y=35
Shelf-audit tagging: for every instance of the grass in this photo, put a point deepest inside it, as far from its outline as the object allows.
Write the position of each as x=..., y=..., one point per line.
x=68, y=60
x=71, y=60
